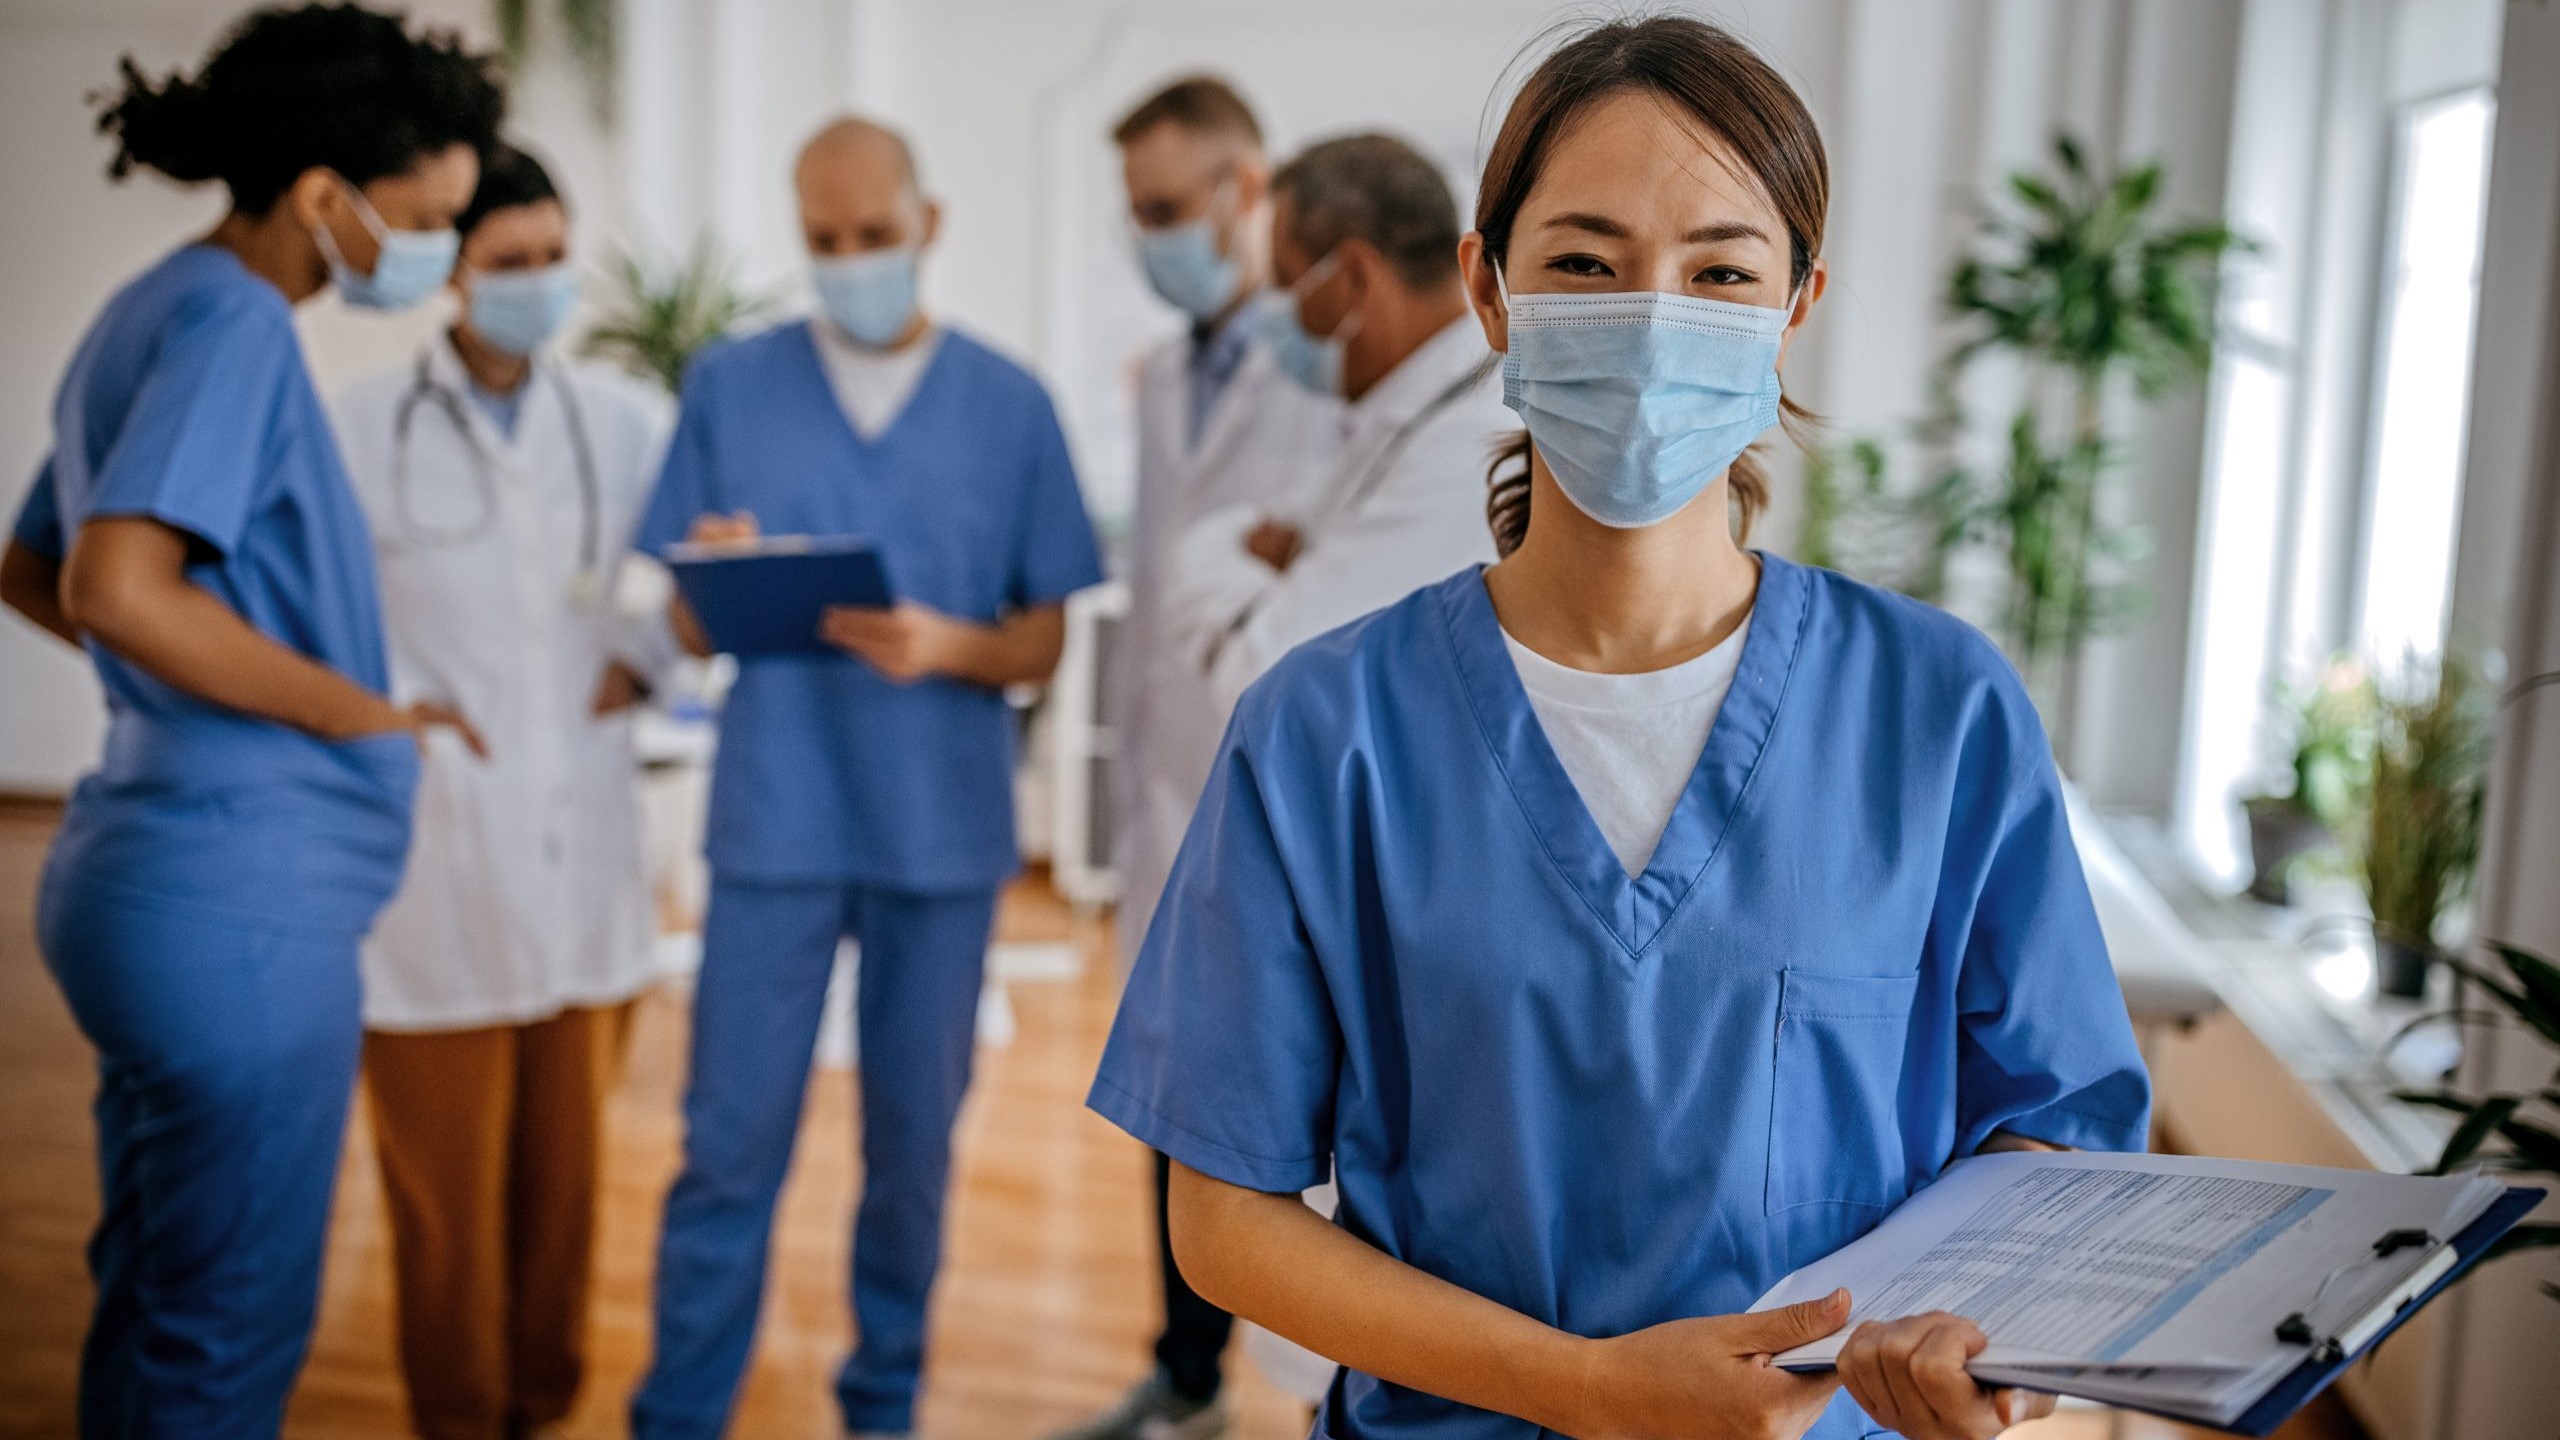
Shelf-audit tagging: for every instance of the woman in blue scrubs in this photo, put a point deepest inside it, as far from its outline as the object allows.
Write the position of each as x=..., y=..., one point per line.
x=194, y=531
x=1635, y=920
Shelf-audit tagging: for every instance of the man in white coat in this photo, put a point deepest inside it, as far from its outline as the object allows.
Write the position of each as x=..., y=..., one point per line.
x=1219, y=426
x=1364, y=235
x=502, y=484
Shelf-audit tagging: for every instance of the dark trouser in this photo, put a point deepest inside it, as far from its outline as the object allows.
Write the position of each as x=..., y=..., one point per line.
x=1195, y=1331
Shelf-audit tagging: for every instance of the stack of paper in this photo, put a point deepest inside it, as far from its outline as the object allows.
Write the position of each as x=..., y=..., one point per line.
x=2152, y=1281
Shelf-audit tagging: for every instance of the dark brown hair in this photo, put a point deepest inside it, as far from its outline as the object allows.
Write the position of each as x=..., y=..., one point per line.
x=1724, y=86
x=1202, y=104
x=1377, y=189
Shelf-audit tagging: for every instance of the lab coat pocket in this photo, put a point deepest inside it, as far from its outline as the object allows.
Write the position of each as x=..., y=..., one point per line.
x=1835, y=1123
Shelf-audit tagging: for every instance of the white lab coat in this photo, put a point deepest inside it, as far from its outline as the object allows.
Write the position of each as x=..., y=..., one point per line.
x=1268, y=442
x=1402, y=507
x=526, y=891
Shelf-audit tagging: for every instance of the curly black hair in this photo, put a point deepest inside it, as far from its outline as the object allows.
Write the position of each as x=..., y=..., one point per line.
x=338, y=86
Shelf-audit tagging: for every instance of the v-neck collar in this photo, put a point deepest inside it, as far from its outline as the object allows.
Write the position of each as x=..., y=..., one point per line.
x=816, y=368
x=1633, y=908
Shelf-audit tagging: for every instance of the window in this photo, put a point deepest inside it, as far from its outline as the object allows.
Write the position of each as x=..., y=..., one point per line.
x=2431, y=286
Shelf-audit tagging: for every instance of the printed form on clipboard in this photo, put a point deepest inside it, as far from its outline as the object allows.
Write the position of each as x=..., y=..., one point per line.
x=2224, y=1292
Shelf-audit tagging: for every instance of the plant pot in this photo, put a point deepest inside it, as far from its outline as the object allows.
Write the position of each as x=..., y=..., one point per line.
x=2400, y=968
x=2280, y=832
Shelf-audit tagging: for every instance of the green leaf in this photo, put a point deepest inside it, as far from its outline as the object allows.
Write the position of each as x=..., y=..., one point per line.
x=2475, y=1128
x=2538, y=980
x=2535, y=1143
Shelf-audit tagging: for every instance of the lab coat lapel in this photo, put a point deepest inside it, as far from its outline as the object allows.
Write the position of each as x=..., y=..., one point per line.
x=1633, y=908
x=1230, y=419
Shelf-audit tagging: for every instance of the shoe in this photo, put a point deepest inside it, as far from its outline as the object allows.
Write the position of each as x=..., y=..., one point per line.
x=1154, y=1410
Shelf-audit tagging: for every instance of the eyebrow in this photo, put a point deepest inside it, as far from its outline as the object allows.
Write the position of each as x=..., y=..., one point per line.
x=1602, y=225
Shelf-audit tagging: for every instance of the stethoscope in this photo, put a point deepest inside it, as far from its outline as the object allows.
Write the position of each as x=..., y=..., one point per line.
x=423, y=387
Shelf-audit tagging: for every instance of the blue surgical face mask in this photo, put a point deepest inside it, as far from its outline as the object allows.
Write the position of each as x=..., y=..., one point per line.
x=1639, y=400
x=1184, y=266
x=871, y=296
x=408, y=265
x=1314, y=361
x=516, y=310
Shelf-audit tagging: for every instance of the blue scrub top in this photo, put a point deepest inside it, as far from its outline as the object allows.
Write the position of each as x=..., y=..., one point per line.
x=188, y=402
x=828, y=771
x=1397, y=945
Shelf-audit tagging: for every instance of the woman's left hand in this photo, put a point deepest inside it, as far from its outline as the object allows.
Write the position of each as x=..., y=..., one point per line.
x=1909, y=1376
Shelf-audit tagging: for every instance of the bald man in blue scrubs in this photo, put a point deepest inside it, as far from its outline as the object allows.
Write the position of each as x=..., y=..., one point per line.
x=864, y=793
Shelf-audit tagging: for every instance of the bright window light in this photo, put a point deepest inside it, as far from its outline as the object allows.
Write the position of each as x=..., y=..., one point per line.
x=2245, y=484
x=2423, y=395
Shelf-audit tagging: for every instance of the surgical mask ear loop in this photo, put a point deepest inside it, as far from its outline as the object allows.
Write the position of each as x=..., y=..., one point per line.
x=1327, y=267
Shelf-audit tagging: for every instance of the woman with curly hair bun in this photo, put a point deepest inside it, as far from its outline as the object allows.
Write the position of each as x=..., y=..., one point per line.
x=194, y=531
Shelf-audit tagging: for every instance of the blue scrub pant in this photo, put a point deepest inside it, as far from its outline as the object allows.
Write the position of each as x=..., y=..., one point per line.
x=226, y=1056
x=766, y=954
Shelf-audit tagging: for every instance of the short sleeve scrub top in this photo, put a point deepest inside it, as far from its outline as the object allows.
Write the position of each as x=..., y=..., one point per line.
x=1396, y=948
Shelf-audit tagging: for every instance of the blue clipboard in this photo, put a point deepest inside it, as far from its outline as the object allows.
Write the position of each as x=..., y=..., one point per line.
x=766, y=598
x=2313, y=1376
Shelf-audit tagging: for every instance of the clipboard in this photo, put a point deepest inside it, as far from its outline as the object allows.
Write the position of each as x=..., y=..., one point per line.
x=766, y=597
x=2315, y=1375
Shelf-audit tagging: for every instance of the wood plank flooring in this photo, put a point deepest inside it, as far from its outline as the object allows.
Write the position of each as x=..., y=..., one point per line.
x=1043, y=1316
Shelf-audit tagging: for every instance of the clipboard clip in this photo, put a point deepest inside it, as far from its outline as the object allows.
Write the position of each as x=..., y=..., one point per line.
x=2298, y=1328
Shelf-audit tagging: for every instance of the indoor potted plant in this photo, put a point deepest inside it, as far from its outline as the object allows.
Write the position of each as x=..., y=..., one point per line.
x=2515, y=1131
x=2420, y=828
x=2328, y=726
x=662, y=318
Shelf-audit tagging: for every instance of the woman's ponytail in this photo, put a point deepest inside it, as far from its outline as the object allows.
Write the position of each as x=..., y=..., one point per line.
x=332, y=86
x=165, y=125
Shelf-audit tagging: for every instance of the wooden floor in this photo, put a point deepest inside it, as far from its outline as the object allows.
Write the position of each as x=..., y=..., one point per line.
x=1045, y=1306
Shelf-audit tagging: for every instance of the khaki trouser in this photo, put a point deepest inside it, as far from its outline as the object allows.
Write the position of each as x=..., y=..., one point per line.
x=490, y=1142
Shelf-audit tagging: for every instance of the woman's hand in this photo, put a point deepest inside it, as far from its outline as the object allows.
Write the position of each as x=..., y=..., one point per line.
x=1909, y=1376
x=426, y=715
x=618, y=689
x=1710, y=1378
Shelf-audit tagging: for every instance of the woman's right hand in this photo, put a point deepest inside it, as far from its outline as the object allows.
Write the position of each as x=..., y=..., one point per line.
x=1710, y=1378
x=426, y=715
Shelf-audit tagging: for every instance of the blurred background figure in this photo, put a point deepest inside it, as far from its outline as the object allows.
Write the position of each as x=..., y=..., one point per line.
x=502, y=482
x=1364, y=238
x=868, y=794
x=194, y=529
x=1219, y=425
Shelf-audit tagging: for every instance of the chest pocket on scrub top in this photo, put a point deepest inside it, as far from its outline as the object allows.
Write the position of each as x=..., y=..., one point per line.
x=1835, y=1117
